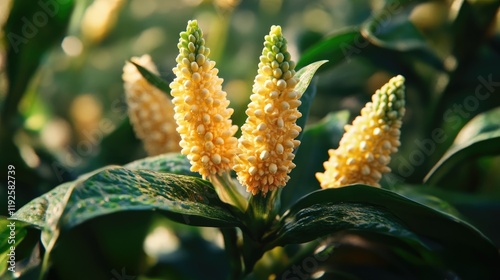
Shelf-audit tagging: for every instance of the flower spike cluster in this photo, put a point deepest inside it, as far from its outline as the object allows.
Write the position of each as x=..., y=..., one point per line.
x=268, y=135
x=365, y=148
x=201, y=107
x=150, y=110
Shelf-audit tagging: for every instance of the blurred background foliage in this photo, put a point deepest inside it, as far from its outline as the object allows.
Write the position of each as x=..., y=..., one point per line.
x=67, y=115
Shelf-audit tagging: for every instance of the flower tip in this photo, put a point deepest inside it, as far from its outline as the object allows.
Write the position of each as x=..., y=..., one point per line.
x=389, y=101
x=398, y=78
x=276, y=30
x=193, y=23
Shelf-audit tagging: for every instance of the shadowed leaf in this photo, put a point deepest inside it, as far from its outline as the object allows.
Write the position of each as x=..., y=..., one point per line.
x=392, y=29
x=479, y=137
x=334, y=48
x=368, y=209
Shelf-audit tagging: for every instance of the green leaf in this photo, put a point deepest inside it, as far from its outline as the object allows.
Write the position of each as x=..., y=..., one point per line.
x=31, y=30
x=320, y=219
x=184, y=199
x=171, y=163
x=481, y=210
x=368, y=209
x=383, y=257
x=313, y=151
x=34, y=212
x=475, y=73
x=470, y=22
x=421, y=195
x=392, y=29
x=479, y=137
x=334, y=48
x=152, y=78
x=307, y=91
x=305, y=75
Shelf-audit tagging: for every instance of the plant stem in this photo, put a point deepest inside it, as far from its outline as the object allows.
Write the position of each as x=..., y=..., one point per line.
x=252, y=252
x=231, y=246
x=227, y=191
x=262, y=211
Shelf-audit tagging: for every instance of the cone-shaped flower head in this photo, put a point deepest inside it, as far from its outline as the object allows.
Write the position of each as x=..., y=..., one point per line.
x=201, y=107
x=365, y=148
x=150, y=110
x=268, y=135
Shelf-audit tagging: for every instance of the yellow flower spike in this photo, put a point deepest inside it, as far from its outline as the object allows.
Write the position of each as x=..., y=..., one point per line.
x=150, y=110
x=267, y=141
x=365, y=148
x=201, y=107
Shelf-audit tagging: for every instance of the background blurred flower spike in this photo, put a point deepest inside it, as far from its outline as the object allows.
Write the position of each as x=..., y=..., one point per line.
x=201, y=107
x=150, y=110
x=365, y=148
x=268, y=135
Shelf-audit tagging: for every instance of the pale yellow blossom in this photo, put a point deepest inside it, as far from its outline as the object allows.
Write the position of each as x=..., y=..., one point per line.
x=150, y=110
x=268, y=135
x=201, y=107
x=366, y=146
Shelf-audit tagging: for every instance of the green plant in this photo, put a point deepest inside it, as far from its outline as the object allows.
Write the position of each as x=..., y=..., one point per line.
x=286, y=227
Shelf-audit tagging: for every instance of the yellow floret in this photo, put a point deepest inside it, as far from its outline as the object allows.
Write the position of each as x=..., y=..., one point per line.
x=201, y=107
x=268, y=135
x=365, y=148
x=150, y=110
